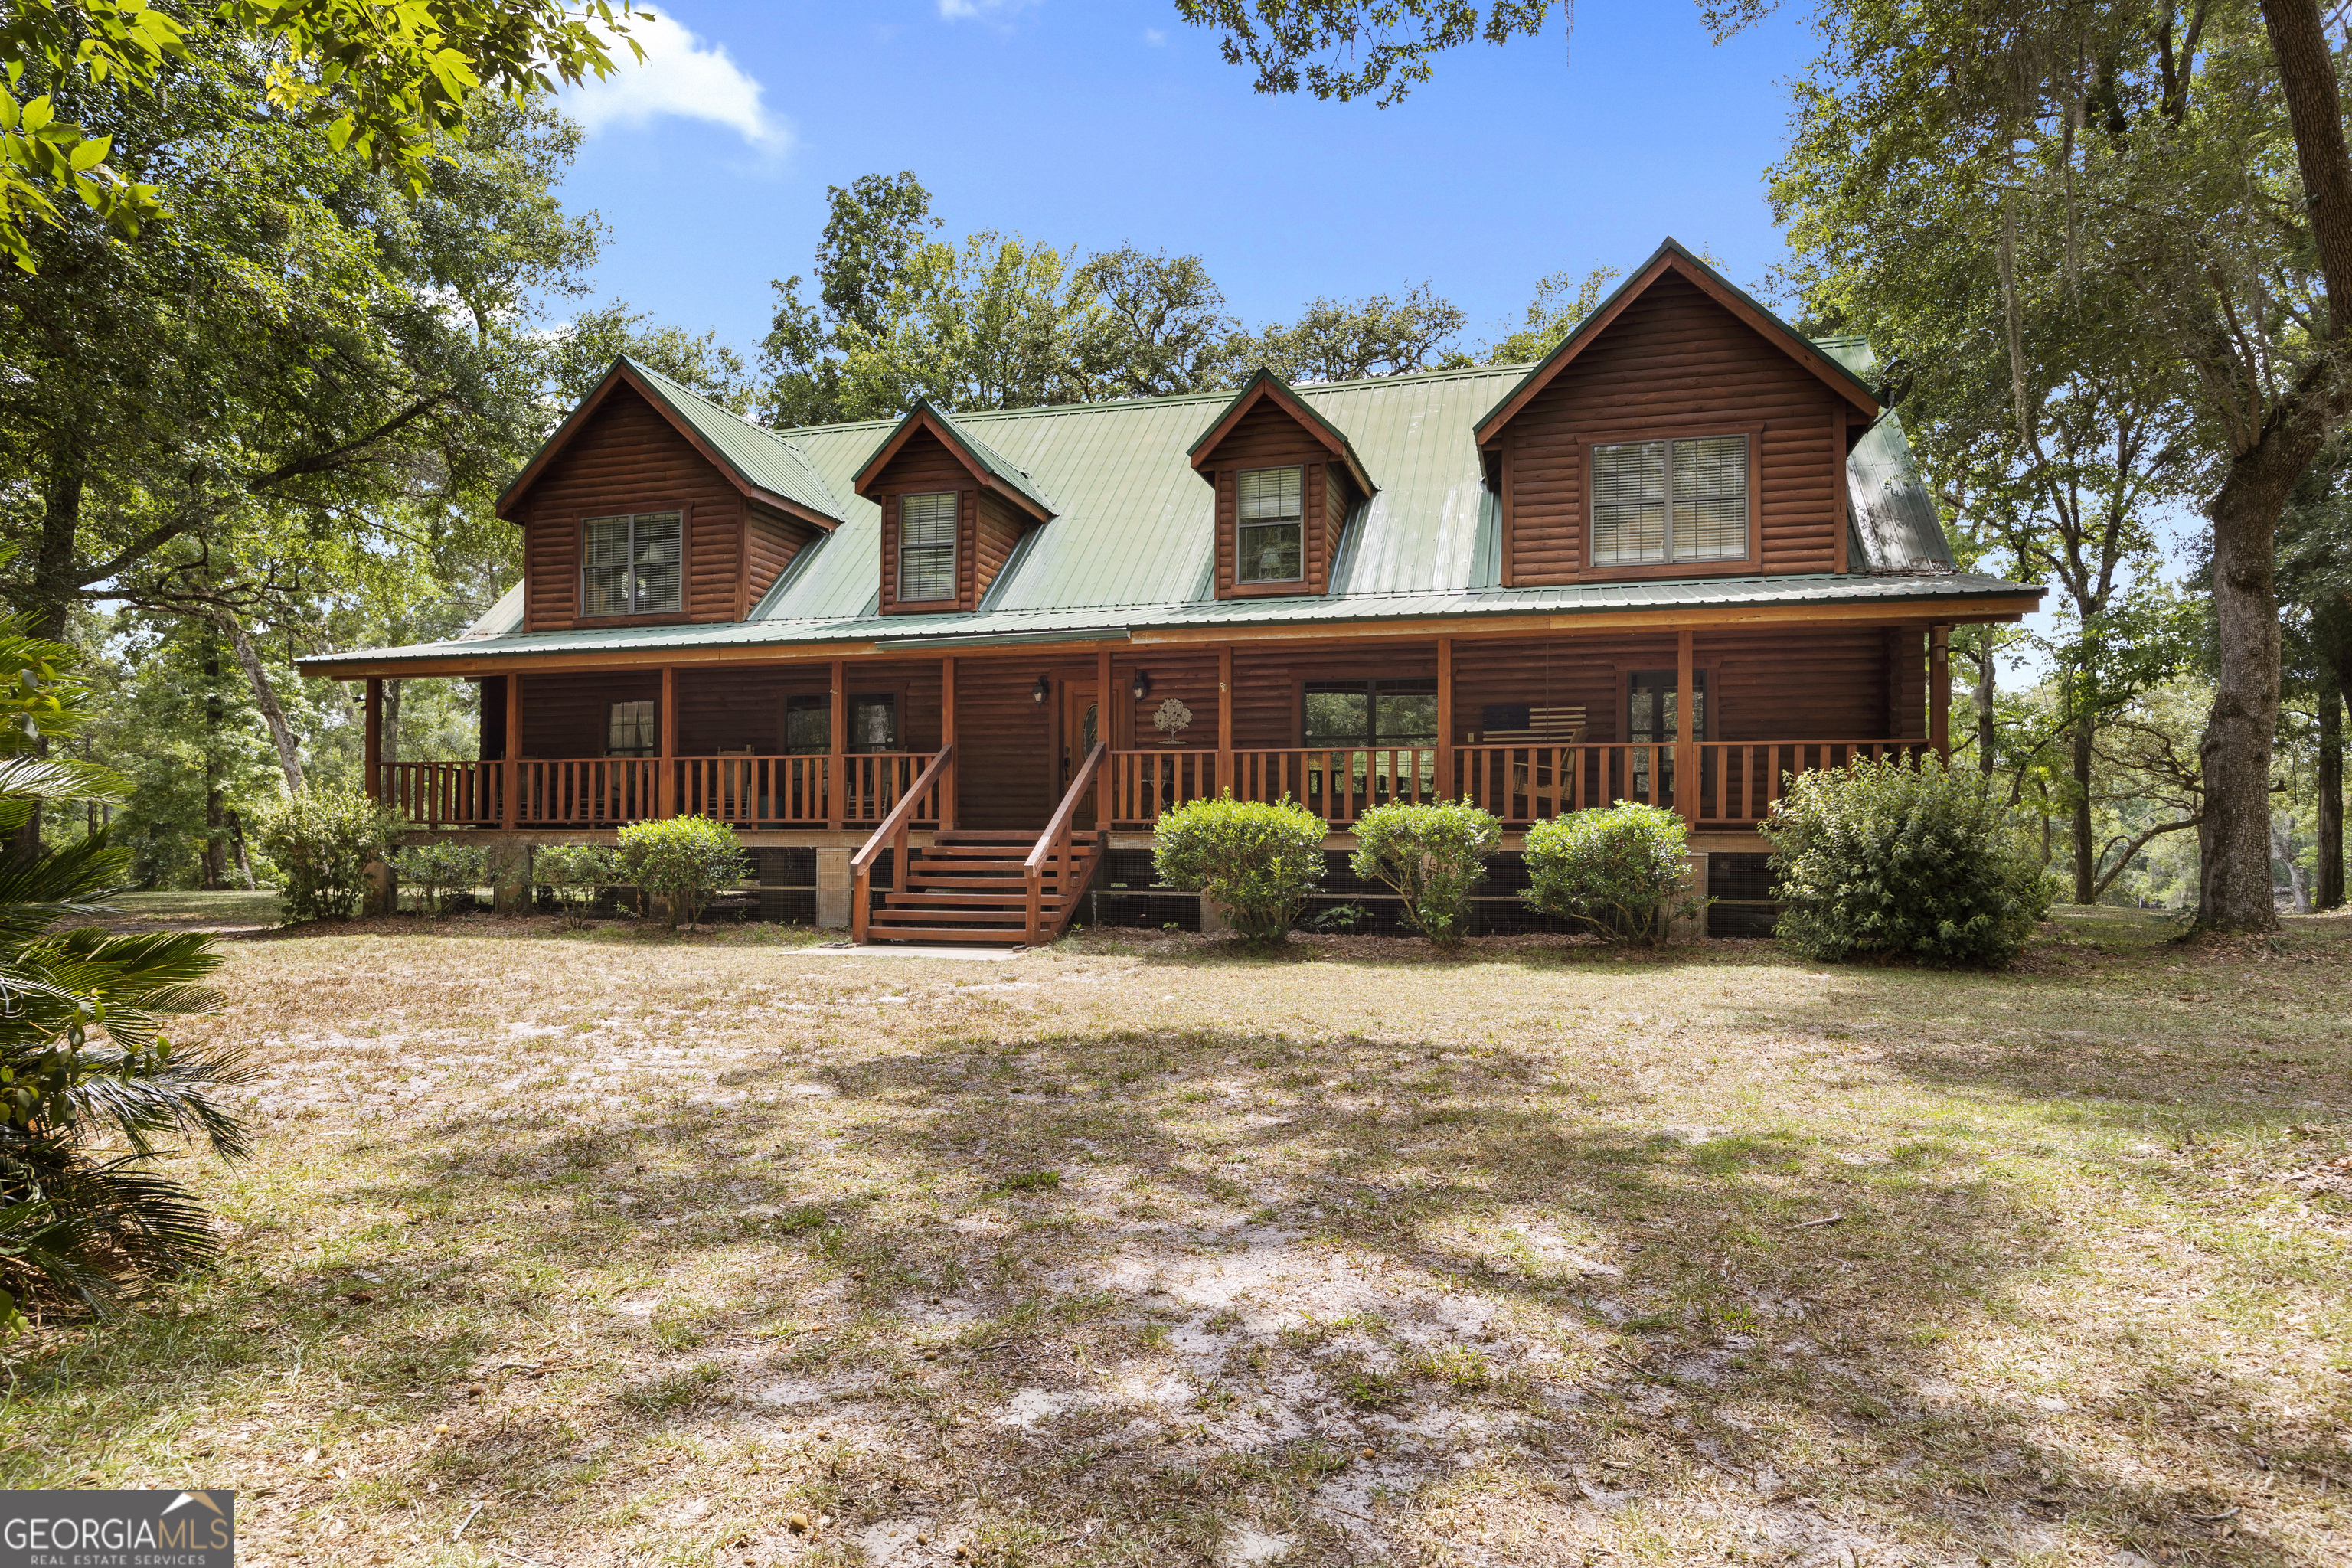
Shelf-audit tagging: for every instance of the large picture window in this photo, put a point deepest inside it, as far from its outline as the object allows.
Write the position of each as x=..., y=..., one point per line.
x=1270, y=535
x=1369, y=713
x=632, y=565
x=1660, y=502
x=927, y=546
x=873, y=723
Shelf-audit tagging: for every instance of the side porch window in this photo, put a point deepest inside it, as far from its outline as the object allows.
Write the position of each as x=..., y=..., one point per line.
x=633, y=729
x=873, y=723
x=1372, y=713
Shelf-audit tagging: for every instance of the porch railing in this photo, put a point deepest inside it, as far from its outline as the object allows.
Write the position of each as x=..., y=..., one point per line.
x=1736, y=782
x=607, y=792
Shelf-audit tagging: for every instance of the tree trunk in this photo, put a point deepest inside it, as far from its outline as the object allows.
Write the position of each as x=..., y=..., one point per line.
x=215, y=857
x=2329, y=894
x=2086, y=870
x=392, y=721
x=1984, y=706
x=2298, y=891
x=2233, y=841
x=264, y=697
x=243, y=858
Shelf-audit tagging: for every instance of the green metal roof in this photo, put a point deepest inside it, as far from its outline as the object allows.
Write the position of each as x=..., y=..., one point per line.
x=761, y=456
x=1132, y=546
x=1895, y=526
x=975, y=451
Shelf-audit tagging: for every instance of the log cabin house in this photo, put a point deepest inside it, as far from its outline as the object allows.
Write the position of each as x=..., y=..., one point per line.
x=943, y=673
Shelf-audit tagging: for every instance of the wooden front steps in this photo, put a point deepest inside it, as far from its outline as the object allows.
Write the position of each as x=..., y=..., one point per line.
x=971, y=886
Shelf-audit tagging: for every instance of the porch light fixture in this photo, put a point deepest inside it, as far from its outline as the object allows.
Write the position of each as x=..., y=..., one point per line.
x=1042, y=690
x=1142, y=686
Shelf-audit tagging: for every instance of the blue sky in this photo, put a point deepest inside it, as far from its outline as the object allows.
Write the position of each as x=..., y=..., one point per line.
x=1110, y=120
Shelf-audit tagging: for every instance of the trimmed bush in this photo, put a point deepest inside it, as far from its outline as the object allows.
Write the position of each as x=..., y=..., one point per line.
x=1257, y=862
x=1898, y=859
x=1433, y=856
x=437, y=869
x=1621, y=870
x=683, y=861
x=321, y=841
x=574, y=872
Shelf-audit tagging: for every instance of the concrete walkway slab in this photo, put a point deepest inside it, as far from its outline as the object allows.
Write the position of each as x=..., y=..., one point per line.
x=911, y=950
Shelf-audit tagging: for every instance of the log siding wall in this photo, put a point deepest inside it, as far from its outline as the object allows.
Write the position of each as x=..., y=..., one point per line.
x=1674, y=362
x=629, y=459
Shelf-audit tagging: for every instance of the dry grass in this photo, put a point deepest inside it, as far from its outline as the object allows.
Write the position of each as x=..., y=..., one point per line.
x=610, y=1249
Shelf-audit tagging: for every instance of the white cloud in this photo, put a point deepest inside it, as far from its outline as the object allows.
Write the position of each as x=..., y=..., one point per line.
x=1154, y=36
x=982, y=10
x=679, y=76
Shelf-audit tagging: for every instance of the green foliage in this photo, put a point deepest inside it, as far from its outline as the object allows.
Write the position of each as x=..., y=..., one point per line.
x=436, y=869
x=1621, y=869
x=1903, y=859
x=574, y=872
x=321, y=841
x=1258, y=862
x=41, y=698
x=1559, y=303
x=88, y=1084
x=582, y=355
x=1343, y=340
x=1347, y=49
x=386, y=83
x=1433, y=856
x=683, y=861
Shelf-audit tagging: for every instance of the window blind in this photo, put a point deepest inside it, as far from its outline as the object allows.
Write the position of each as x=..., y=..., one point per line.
x=927, y=546
x=1634, y=523
x=1270, y=538
x=632, y=565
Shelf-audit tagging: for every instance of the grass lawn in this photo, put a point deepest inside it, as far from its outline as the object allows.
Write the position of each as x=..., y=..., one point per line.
x=607, y=1248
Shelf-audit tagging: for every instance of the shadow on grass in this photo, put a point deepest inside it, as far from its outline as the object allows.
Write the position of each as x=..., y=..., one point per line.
x=1745, y=1307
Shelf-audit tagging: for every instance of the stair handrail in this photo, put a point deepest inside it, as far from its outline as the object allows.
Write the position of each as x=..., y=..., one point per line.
x=890, y=834
x=1056, y=839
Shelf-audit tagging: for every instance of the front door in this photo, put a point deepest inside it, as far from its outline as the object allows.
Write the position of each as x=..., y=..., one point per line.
x=1081, y=728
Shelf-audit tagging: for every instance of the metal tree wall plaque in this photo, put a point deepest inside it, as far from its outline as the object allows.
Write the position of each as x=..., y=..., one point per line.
x=1173, y=717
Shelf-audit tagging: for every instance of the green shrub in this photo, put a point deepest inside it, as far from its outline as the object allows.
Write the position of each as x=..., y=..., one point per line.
x=1903, y=859
x=1620, y=869
x=1257, y=862
x=437, y=869
x=574, y=872
x=1433, y=856
x=321, y=841
x=683, y=861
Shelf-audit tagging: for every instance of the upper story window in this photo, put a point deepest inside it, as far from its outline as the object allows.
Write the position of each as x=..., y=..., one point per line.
x=631, y=565
x=1270, y=536
x=927, y=546
x=1634, y=524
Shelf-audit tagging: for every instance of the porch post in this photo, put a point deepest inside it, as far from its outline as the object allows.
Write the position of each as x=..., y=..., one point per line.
x=665, y=787
x=1686, y=788
x=510, y=798
x=947, y=739
x=1446, y=718
x=1225, y=717
x=373, y=750
x=1102, y=733
x=1939, y=690
x=836, y=784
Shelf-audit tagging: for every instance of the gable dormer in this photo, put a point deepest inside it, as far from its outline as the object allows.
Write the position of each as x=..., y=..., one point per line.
x=952, y=510
x=1682, y=430
x=652, y=506
x=1286, y=479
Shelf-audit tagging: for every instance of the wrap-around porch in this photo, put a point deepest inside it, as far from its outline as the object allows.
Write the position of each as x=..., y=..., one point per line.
x=1529, y=728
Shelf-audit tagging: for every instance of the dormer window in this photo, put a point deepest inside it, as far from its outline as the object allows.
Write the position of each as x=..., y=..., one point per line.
x=927, y=546
x=1272, y=536
x=630, y=565
x=1633, y=524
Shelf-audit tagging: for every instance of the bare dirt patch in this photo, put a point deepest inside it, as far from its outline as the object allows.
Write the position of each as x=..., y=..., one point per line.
x=615, y=1248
